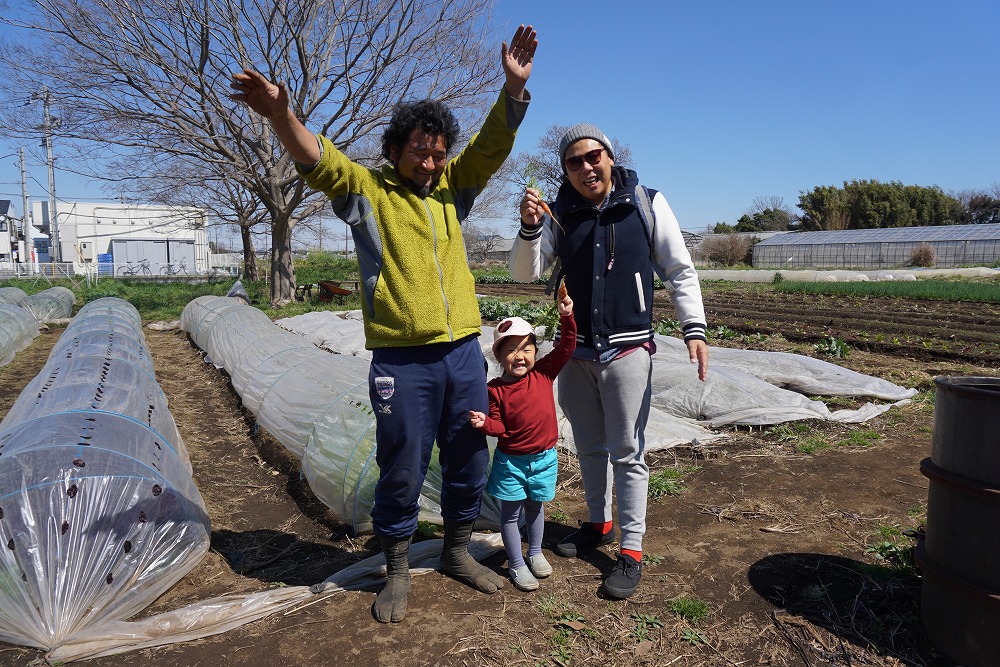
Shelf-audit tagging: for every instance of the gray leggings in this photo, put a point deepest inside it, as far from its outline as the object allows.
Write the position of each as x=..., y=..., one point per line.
x=510, y=530
x=607, y=405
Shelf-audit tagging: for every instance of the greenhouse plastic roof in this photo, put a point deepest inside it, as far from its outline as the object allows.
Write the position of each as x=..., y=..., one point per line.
x=895, y=234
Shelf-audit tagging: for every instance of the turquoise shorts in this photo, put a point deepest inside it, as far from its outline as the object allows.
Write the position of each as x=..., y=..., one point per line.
x=525, y=476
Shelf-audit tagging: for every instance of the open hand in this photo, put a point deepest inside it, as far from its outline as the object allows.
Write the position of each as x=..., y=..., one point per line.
x=264, y=97
x=517, y=60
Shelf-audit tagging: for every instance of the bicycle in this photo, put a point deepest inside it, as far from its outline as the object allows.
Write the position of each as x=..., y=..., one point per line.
x=169, y=270
x=140, y=267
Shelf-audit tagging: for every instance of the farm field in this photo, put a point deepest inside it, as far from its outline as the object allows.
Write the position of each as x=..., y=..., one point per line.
x=775, y=546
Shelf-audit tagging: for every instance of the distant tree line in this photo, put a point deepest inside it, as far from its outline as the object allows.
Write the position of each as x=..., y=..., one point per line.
x=870, y=204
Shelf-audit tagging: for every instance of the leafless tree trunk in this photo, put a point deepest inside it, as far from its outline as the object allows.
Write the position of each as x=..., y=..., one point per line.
x=249, y=256
x=143, y=83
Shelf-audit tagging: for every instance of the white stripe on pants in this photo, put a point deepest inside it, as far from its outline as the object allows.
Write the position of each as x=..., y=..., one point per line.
x=607, y=405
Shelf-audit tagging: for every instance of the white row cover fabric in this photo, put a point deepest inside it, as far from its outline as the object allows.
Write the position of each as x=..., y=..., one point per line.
x=55, y=303
x=17, y=329
x=314, y=403
x=99, y=514
x=343, y=333
x=833, y=276
x=742, y=387
x=11, y=295
x=755, y=388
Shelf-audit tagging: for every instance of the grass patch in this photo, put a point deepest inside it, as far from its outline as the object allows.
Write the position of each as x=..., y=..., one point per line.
x=692, y=610
x=668, y=482
x=812, y=444
x=860, y=438
x=931, y=289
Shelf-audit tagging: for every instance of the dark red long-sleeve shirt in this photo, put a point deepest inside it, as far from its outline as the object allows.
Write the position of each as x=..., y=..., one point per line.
x=522, y=414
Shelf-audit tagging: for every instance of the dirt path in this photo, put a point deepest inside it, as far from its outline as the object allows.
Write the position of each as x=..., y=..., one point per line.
x=782, y=547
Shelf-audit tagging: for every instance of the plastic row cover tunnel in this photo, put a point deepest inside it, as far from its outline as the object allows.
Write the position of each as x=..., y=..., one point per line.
x=17, y=329
x=55, y=303
x=313, y=402
x=99, y=513
x=11, y=295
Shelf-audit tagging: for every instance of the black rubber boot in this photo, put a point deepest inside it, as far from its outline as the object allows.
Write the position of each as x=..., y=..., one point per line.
x=390, y=603
x=458, y=563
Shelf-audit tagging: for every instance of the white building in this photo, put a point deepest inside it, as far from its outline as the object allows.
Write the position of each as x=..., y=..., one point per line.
x=165, y=239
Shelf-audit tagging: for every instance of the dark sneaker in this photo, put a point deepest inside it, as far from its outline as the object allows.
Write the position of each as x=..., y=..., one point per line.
x=624, y=578
x=585, y=539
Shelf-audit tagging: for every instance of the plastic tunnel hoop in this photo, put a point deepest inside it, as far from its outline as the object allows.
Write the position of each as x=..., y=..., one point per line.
x=100, y=514
x=314, y=403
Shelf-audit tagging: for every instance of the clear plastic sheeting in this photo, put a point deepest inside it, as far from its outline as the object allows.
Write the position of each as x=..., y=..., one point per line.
x=314, y=403
x=11, y=295
x=217, y=615
x=99, y=514
x=55, y=303
x=17, y=329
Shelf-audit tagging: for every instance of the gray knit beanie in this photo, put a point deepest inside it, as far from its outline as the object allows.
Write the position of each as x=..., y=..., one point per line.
x=583, y=131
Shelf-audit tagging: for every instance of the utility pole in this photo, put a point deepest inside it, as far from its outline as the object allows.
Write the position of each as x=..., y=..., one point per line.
x=55, y=249
x=28, y=253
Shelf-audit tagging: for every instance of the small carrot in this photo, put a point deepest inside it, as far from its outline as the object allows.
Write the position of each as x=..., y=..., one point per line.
x=545, y=207
x=562, y=289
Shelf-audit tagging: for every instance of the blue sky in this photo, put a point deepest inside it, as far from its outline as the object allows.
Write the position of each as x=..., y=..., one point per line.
x=725, y=101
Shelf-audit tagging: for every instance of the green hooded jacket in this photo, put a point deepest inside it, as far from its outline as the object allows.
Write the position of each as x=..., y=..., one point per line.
x=415, y=279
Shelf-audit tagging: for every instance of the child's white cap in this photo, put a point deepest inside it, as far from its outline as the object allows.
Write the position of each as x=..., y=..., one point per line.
x=511, y=326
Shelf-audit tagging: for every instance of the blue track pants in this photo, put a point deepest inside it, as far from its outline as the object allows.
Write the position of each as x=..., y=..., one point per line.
x=421, y=395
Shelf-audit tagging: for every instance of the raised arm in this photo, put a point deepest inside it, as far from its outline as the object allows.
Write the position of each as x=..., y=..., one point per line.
x=271, y=102
x=517, y=60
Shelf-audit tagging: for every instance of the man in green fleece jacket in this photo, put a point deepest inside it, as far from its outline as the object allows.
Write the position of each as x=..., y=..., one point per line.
x=419, y=304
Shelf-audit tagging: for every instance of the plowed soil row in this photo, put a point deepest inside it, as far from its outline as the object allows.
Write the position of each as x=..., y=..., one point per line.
x=920, y=329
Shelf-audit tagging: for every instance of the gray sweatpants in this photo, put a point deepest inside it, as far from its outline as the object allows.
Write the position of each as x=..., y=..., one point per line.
x=607, y=405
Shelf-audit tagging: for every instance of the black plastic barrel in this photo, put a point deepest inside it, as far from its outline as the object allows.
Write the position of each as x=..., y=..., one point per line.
x=960, y=555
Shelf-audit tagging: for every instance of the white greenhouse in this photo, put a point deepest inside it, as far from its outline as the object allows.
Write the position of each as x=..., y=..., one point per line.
x=952, y=246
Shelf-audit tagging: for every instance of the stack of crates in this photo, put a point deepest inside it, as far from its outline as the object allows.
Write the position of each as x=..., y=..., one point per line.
x=105, y=264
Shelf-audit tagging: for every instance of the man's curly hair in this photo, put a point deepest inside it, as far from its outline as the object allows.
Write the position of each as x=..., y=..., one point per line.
x=430, y=116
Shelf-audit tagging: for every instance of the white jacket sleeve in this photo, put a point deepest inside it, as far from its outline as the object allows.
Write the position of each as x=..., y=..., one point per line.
x=674, y=266
x=533, y=252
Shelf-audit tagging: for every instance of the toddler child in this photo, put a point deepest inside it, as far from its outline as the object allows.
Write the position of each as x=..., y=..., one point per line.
x=522, y=416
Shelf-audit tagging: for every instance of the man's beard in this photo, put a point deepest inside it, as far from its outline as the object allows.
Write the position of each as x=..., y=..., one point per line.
x=420, y=190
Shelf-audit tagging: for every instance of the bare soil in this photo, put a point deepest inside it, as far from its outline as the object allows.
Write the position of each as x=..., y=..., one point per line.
x=793, y=553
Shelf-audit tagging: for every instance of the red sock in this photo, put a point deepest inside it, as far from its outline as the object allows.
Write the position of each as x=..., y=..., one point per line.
x=602, y=528
x=637, y=555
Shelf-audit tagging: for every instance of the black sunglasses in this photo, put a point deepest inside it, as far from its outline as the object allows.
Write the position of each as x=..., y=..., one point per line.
x=592, y=157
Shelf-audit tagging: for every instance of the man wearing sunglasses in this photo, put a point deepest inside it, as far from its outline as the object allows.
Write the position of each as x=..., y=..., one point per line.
x=419, y=303
x=610, y=235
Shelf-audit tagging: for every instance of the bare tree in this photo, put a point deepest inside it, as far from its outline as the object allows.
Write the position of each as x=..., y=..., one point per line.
x=767, y=203
x=141, y=83
x=480, y=240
